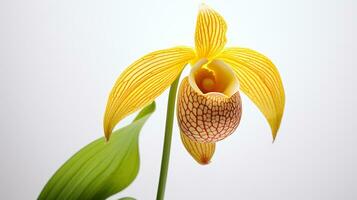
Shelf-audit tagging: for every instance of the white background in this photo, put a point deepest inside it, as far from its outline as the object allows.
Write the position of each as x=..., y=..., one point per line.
x=59, y=60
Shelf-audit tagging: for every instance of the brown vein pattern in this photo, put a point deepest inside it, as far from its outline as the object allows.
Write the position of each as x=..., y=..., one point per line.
x=207, y=118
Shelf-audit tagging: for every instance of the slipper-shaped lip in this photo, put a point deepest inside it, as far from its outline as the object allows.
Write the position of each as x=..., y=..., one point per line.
x=207, y=118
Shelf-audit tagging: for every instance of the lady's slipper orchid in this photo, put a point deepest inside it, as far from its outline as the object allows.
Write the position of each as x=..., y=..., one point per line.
x=209, y=105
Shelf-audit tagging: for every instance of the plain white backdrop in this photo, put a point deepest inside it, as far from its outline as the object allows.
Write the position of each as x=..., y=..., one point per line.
x=59, y=60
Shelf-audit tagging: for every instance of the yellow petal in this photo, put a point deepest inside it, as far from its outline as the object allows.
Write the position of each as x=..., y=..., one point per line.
x=260, y=81
x=201, y=152
x=142, y=82
x=210, y=36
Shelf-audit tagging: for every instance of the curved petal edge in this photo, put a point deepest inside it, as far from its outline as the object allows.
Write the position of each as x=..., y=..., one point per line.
x=210, y=35
x=201, y=152
x=260, y=81
x=142, y=82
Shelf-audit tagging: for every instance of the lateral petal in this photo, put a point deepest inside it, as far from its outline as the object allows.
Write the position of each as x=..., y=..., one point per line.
x=210, y=35
x=260, y=81
x=142, y=82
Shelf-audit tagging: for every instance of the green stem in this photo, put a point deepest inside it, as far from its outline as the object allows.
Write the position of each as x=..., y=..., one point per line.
x=167, y=141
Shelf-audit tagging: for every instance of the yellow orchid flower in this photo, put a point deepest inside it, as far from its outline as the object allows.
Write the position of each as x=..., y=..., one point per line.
x=209, y=105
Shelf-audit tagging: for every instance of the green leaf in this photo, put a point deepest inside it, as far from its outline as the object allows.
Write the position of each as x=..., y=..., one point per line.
x=127, y=198
x=101, y=168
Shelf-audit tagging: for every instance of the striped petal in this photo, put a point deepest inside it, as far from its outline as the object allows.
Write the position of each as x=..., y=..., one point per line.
x=210, y=36
x=260, y=81
x=201, y=152
x=142, y=82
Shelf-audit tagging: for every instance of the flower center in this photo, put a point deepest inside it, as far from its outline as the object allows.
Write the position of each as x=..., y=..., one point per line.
x=214, y=77
x=208, y=84
x=206, y=80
